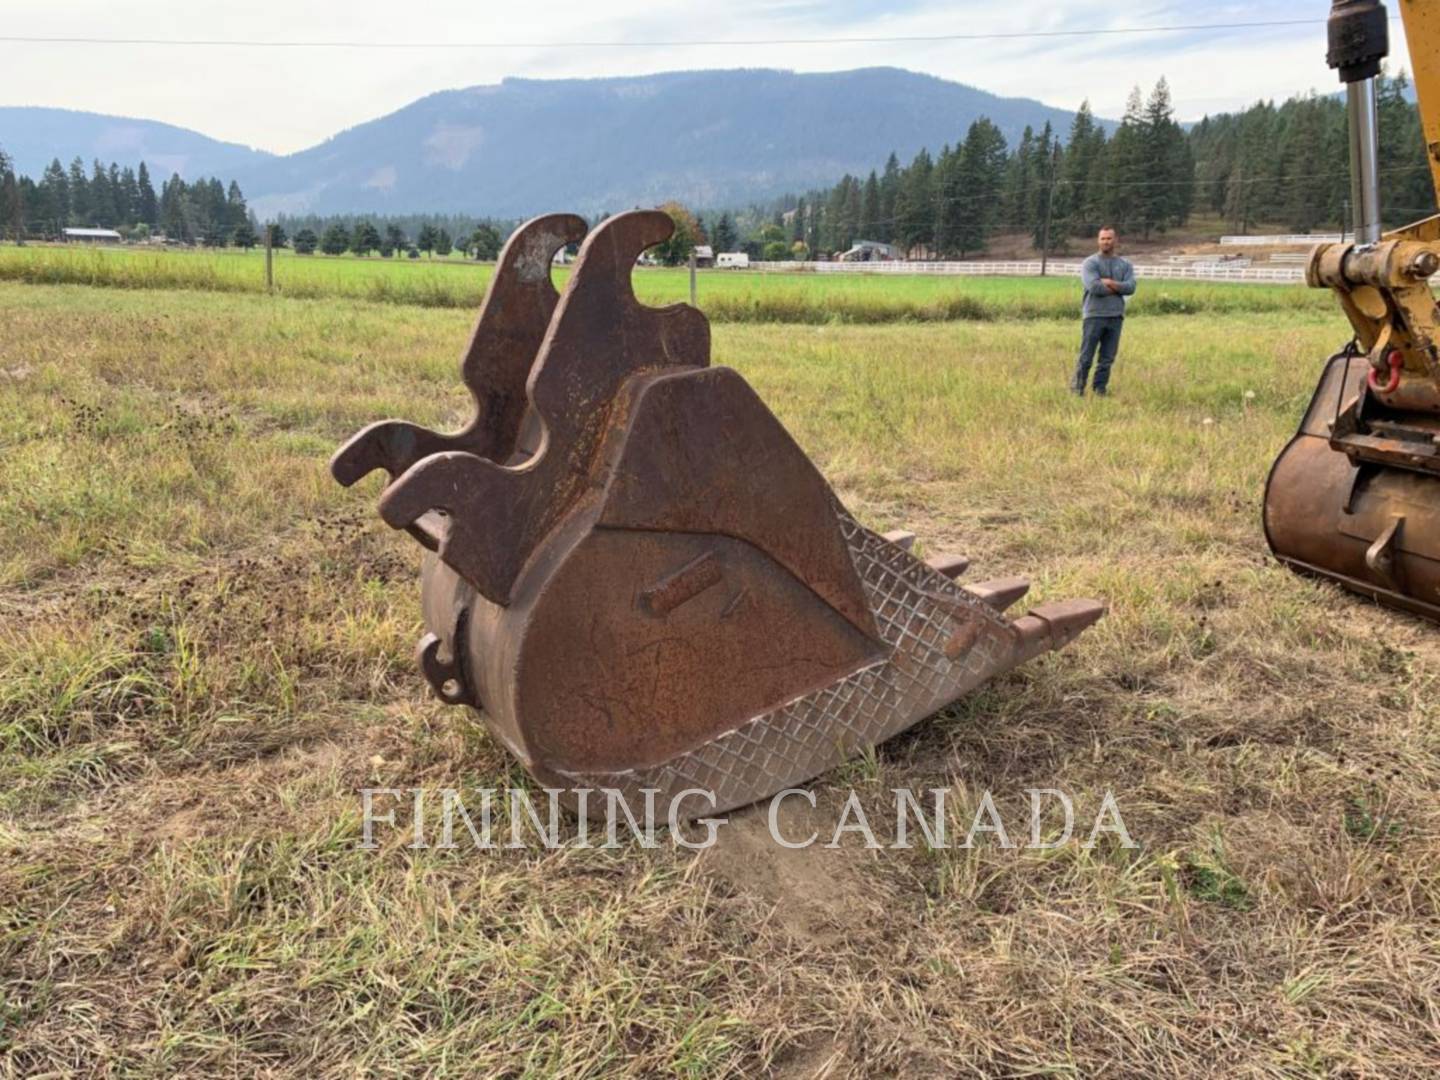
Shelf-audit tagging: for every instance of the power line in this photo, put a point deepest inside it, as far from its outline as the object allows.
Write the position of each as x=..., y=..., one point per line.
x=1000, y=35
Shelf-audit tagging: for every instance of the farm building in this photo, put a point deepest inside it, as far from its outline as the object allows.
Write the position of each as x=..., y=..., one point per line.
x=871, y=251
x=92, y=236
x=704, y=256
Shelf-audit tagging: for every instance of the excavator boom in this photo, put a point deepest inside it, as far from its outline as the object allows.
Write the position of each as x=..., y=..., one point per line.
x=1422, y=32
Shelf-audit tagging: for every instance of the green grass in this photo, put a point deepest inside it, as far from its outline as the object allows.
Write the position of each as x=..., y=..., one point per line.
x=206, y=649
x=726, y=296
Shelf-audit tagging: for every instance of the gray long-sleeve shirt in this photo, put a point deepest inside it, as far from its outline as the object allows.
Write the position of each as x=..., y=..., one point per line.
x=1100, y=302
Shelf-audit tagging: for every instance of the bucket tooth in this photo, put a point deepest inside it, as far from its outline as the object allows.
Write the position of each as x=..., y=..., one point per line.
x=952, y=566
x=1050, y=627
x=636, y=574
x=1001, y=593
x=901, y=538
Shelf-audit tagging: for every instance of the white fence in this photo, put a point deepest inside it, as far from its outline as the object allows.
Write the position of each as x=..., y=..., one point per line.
x=1194, y=272
x=1281, y=241
x=967, y=269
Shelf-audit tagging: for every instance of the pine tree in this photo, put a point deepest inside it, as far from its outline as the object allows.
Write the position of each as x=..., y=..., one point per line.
x=56, y=186
x=128, y=196
x=336, y=240
x=121, y=210
x=1050, y=159
x=12, y=199
x=305, y=242
x=870, y=213
x=426, y=240
x=102, y=199
x=980, y=169
x=1021, y=179
x=832, y=237
x=915, y=204
x=443, y=243
x=364, y=238
x=9, y=195
x=79, y=194
x=235, y=209
x=147, y=208
x=952, y=202
x=485, y=243
x=1123, y=172
x=1407, y=192
x=724, y=238
x=852, y=213
x=1166, y=170
x=1075, y=202
x=244, y=235
x=212, y=214
x=21, y=196
x=815, y=227
x=1031, y=215
x=174, y=220
x=889, y=191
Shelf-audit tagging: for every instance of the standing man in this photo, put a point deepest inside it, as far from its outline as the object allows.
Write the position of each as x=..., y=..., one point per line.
x=1108, y=281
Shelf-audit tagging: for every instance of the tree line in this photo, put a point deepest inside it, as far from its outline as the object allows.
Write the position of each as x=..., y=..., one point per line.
x=205, y=211
x=1284, y=167
x=1288, y=165
x=951, y=203
x=410, y=235
x=363, y=237
x=212, y=213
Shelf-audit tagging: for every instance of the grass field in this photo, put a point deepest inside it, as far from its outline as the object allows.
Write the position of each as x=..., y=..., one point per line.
x=725, y=295
x=205, y=650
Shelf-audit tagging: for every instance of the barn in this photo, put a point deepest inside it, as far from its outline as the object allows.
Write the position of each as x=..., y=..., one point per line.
x=92, y=236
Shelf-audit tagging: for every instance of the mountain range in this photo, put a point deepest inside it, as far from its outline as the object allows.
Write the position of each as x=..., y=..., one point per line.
x=522, y=146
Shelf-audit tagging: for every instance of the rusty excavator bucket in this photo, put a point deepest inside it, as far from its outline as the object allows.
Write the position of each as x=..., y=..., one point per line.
x=1355, y=496
x=639, y=577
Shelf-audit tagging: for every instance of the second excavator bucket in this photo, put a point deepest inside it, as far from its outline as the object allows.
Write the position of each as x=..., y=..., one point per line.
x=639, y=577
x=1360, y=506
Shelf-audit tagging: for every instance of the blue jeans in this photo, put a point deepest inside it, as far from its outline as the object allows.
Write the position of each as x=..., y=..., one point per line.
x=1103, y=334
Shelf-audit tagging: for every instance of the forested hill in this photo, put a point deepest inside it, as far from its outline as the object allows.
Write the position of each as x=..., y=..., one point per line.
x=705, y=138
x=1282, y=168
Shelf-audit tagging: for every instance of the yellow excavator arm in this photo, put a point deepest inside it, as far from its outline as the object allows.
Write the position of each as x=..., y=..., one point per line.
x=1422, y=33
x=1355, y=496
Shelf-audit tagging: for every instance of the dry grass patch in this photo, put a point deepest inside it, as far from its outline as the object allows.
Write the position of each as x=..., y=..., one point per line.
x=205, y=653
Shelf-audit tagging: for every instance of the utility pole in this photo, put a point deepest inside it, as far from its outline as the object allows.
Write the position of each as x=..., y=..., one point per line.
x=269, y=258
x=1049, y=209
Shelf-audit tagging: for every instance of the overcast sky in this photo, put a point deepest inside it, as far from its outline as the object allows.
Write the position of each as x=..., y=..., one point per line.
x=285, y=99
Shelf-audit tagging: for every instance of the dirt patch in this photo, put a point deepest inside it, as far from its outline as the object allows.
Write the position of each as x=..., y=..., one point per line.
x=820, y=895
